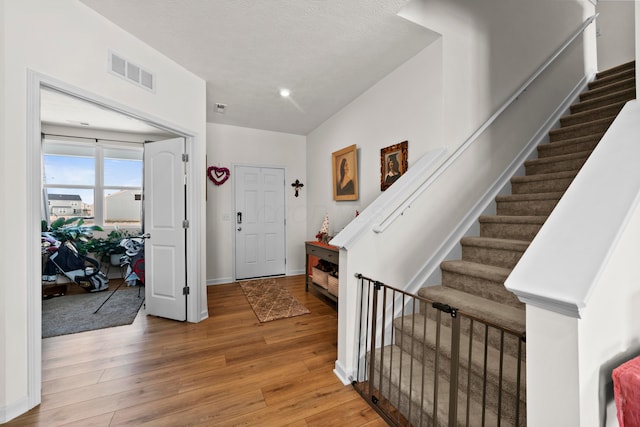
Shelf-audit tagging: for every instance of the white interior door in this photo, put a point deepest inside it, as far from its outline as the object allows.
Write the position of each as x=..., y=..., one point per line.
x=259, y=222
x=164, y=216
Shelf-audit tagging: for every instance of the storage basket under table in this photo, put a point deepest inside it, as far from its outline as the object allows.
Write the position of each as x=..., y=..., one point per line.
x=332, y=285
x=319, y=277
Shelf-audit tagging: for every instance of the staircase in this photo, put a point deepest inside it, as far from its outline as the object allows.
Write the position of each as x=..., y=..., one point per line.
x=475, y=283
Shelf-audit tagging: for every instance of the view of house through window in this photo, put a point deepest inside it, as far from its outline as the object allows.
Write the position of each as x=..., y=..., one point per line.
x=98, y=181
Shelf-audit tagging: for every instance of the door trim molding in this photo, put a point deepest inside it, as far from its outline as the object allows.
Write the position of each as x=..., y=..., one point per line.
x=196, y=313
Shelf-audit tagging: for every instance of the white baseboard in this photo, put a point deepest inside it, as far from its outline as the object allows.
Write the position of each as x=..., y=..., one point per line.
x=227, y=280
x=221, y=281
x=341, y=373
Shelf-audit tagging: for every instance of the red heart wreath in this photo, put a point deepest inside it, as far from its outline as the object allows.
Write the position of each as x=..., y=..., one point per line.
x=218, y=175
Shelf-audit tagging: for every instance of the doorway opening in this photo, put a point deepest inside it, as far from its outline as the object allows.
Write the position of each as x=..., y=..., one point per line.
x=194, y=150
x=92, y=182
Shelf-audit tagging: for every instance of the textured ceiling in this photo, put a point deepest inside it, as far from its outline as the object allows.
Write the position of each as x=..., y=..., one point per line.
x=327, y=52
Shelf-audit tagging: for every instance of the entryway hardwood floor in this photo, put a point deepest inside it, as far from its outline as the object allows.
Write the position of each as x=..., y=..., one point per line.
x=228, y=370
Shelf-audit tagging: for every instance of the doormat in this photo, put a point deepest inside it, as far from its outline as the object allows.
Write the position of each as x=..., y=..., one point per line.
x=70, y=314
x=271, y=301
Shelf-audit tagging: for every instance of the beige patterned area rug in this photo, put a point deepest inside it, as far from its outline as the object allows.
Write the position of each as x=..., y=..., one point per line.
x=271, y=301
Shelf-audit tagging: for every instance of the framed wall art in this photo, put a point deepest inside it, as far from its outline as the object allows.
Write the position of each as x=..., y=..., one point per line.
x=345, y=173
x=393, y=163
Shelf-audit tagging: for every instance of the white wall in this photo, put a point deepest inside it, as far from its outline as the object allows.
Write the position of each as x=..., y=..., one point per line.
x=232, y=145
x=490, y=48
x=67, y=42
x=405, y=105
x=616, y=32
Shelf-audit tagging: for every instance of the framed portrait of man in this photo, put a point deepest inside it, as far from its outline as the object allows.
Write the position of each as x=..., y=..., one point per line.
x=393, y=163
x=345, y=173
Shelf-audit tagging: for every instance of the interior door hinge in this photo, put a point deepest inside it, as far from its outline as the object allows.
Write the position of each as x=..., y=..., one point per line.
x=185, y=157
x=185, y=223
x=185, y=290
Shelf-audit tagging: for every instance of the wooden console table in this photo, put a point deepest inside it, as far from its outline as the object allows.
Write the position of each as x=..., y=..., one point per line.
x=314, y=251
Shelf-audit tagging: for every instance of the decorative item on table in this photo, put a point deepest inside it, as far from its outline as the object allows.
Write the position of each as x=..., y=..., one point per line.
x=323, y=234
x=297, y=185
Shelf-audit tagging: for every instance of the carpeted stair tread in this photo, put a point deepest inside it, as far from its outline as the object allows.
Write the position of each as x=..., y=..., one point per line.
x=486, y=281
x=397, y=366
x=495, y=243
x=627, y=73
x=517, y=227
x=424, y=332
x=610, y=88
x=611, y=110
x=542, y=182
x=569, y=146
x=615, y=70
x=488, y=272
x=559, y=163
x=527, y=203
x=582, y=129
x=502, y=315
x=529, y=197
x=503, y=253
x=610, y=98
x=514, y=219
x=559, y=158
x=423, y=336
x=405, y=395
x=495, y=336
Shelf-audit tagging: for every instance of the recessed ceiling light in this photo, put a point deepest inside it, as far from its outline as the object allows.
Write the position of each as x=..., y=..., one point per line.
x=285, y=93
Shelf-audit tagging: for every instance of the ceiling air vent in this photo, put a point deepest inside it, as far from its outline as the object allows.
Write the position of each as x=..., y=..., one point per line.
x=131, y=72
x=146, y=79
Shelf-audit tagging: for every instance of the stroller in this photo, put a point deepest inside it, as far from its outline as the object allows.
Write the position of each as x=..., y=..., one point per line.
x=133, y=263
x=133, y=260
x=65, y=258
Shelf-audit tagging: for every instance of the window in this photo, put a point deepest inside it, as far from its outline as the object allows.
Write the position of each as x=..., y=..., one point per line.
x=99, y=181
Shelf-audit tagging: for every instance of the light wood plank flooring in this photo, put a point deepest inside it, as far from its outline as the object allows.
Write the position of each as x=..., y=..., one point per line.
x=228, y=370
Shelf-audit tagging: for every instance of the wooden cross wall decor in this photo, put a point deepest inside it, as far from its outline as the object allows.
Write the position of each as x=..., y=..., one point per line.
x=298, y=185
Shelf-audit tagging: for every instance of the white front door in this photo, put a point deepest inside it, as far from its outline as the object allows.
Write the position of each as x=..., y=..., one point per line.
x=164, y=216
x=259, y=222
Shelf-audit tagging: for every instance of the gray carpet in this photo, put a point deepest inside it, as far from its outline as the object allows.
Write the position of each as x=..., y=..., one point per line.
x=70, y=314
